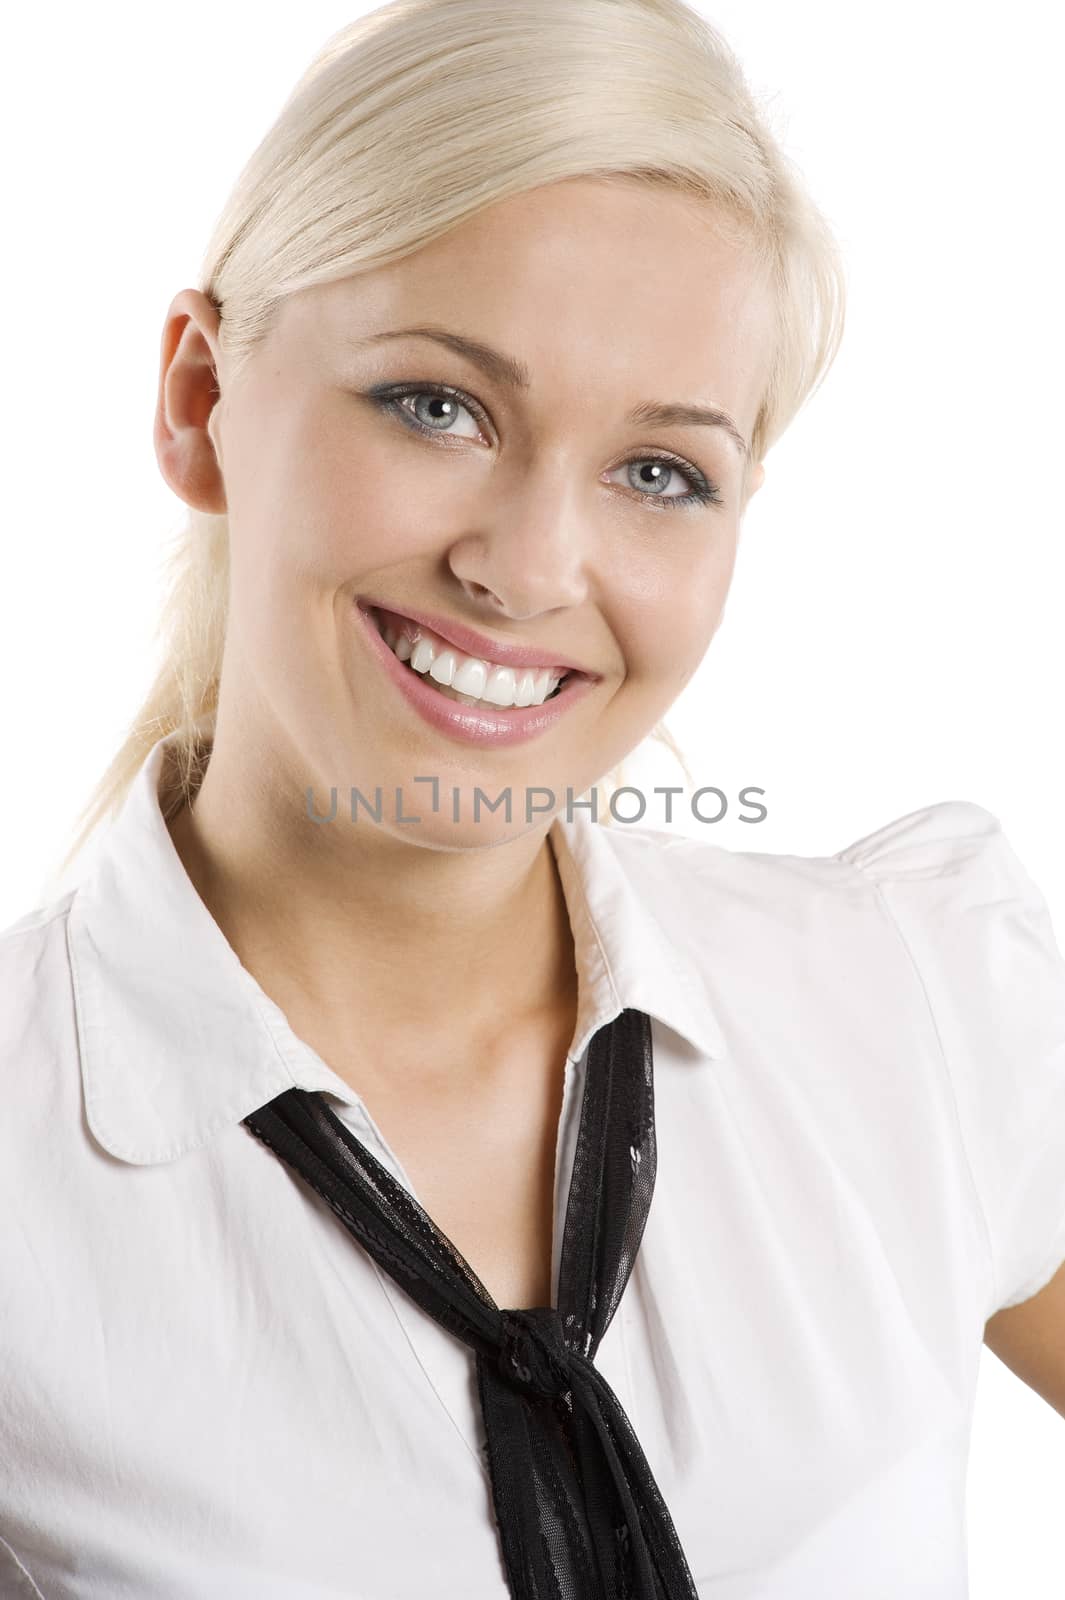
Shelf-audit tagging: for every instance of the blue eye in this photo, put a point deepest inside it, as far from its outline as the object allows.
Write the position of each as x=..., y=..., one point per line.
x=391, y=398
x=703, y=493
x=449, y=404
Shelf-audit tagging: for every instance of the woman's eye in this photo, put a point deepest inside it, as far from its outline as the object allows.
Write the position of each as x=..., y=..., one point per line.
x=434, y=409
x=651, y=477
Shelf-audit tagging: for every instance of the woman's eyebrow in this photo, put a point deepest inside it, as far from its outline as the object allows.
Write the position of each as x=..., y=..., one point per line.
x=513, y=374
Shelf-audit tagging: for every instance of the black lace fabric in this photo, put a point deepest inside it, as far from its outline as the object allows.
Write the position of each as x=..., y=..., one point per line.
x=578, y=1511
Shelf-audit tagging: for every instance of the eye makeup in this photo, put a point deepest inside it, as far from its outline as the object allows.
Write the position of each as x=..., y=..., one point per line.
x=391, y=399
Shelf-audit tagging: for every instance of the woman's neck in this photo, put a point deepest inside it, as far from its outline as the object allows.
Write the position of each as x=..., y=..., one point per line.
x=383, y=954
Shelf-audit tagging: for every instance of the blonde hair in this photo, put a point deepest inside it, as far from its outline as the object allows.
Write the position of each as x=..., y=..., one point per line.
x=409, y=121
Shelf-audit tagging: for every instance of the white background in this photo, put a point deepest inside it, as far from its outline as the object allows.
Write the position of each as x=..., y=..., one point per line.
x=893, y=636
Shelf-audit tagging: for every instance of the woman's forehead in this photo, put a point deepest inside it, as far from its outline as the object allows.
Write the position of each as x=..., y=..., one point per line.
x=555, y=294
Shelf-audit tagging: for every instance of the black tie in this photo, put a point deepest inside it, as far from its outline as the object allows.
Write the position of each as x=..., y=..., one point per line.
x=579, y=1514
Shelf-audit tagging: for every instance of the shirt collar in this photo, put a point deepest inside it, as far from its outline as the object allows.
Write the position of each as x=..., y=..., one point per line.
x=178, y=1041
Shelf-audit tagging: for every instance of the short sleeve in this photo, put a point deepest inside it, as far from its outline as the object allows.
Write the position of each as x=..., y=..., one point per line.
x=980, y=936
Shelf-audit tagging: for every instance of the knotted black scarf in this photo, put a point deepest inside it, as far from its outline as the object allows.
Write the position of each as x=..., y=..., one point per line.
x=580, y=1516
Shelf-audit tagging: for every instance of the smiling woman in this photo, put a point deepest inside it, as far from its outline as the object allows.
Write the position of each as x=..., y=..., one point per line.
x=432, y=1204
x=527, y=474
x=670, y=214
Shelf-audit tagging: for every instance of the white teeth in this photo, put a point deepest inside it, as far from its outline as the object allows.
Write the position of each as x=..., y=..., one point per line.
x=468, y=678
x=421, y=656
x=471, y=677
x=442, y=667
x=502, y=686
x=525, y=689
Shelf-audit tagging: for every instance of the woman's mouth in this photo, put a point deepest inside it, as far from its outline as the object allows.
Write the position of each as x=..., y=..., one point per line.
x=468, y=679
x=466, y=696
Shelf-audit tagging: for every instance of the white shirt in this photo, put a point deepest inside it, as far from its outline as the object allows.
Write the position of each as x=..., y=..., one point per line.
x=208, y=1389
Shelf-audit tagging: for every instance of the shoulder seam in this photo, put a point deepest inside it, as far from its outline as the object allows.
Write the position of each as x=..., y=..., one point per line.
x=948, y=1074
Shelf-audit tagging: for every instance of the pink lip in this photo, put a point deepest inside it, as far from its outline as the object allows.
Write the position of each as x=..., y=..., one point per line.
x=472, y=724
x=472, y=643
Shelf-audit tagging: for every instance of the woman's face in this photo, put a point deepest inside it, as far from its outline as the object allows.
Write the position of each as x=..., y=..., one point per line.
x=540, y=515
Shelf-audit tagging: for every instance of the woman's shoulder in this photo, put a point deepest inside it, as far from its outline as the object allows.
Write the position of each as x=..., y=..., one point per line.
x=934, y=841
x=934, y=904
x=45, y=924
x=952, y=880
x=945, y=877
x=34, y=923
x=980, y=935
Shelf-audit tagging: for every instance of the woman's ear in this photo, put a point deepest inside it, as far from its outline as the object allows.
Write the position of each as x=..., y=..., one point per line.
x=186, y=416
